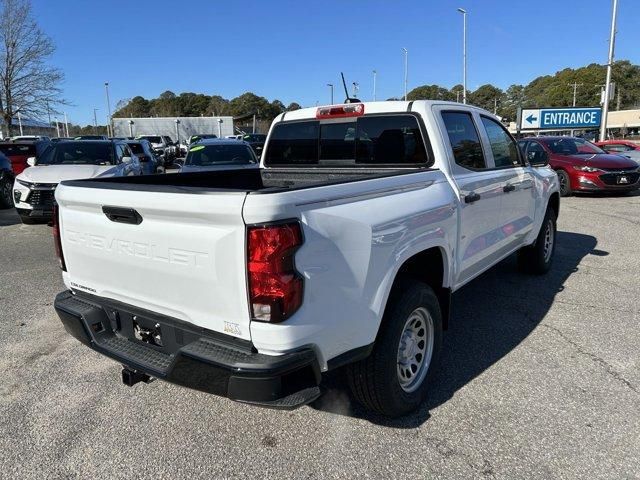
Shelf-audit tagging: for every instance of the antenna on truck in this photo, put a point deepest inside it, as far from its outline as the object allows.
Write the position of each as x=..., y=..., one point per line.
x=346, y=92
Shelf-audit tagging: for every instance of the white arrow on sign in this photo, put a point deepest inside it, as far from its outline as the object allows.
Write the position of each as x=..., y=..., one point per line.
x=530, y=118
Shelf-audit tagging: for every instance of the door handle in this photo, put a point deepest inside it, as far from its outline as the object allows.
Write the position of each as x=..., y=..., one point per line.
x=471, y=197
x=508, y=188
x=122, y=215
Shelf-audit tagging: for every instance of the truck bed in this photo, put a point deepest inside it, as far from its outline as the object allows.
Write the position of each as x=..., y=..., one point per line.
x=261, y=180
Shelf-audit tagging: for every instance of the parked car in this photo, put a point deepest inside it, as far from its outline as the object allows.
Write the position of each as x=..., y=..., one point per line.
x=33, y=189
x=147, y=157
x=256, y=140
x=621, y=147
x=198, y=138
x=91, y=137
x=582, y=166
x=162, y=145
x=343, y=249
x=30, y=138
x=19, y=153
x=6, y=182
x=219, y=154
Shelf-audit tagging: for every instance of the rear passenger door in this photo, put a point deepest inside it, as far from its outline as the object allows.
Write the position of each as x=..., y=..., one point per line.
x=517, y=196
x=480, y=191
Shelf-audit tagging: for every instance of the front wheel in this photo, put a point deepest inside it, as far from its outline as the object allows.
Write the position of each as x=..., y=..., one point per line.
x=394, y=379
x=6, y=187
x=565, y=183
x=538, y=257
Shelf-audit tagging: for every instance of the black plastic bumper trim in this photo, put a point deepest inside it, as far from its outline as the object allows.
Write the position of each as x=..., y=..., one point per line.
x=204, y=361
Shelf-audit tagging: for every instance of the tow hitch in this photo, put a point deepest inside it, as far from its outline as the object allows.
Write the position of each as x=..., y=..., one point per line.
x=131, y=377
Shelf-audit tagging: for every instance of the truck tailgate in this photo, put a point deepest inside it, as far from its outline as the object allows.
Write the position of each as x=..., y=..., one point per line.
x=182, y=255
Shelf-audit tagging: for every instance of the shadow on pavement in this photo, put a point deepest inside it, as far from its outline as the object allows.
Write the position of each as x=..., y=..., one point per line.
x=8, y=217
x=489, y=318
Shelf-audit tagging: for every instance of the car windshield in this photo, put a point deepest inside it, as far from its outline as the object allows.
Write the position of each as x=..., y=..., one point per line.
x=572, y=146
x=136, y=148
x=78, y=153
x=197, y=138
x=90, y=137
x=207, y=155
x=152, y=139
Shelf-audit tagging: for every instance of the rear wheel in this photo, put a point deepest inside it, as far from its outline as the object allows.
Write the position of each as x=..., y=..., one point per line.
x=565, y=183
x=394, y=379
x=6, y=187
x=538, y=257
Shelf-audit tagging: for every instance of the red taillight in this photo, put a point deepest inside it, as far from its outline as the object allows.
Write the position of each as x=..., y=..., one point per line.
x=57, y=241
x=341, y=111
x=275, y=287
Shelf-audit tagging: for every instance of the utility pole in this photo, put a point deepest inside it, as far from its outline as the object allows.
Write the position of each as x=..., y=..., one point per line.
x=406, y=71
x=575, y=86
x=330, y=85
x=464, y=54
x=607, y=87
x=20, y=122
x=356, y=87
x=374, y=85
x=57, y=127
x=66, y=124
x=95, y=120
x=109, y=125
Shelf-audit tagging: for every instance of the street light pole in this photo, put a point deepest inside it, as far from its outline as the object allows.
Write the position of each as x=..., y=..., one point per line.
x=464, y=54
x=575, y=86
x=375, y=74
x=330, y=85
x=356, y=87
x=66, y=124
x=406, y=71
x=109, y=125
x=95, y=120
x=607, y=87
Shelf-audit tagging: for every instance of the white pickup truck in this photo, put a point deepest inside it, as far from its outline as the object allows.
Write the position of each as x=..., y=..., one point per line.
x=342, y=249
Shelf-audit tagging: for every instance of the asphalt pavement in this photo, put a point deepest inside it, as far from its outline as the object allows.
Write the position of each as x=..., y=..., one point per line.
x=540, y=378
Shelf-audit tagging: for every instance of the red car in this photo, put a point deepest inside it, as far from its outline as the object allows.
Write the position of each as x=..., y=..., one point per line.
x=18, y=153
x=621, y=147
x=581, y=166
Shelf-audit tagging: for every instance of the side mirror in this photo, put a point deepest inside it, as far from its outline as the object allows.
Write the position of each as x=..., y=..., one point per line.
x=31, y=161
x=538, y=159
x=126, y=159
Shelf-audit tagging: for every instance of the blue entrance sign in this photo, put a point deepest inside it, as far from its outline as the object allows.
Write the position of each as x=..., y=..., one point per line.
x=560, y=118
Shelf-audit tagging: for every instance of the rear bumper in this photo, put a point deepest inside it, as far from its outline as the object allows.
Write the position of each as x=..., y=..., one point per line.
x=190, y=356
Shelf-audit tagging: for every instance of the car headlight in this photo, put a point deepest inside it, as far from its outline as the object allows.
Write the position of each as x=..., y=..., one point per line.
x=29, y=185
x=585, y=168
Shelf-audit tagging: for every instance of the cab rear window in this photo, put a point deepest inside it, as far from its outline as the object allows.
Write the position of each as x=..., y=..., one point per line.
x=377, y=140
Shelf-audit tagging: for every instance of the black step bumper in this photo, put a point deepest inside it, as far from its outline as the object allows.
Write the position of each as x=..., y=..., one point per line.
x=190, y=356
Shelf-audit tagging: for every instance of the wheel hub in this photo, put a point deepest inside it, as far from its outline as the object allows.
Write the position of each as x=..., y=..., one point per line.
x=415, y=349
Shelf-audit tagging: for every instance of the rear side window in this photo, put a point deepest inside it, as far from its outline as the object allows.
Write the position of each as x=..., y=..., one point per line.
x=465, y=142
x=372, y=141
x=505, y=151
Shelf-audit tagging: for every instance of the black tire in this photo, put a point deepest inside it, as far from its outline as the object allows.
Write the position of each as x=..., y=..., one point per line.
x=537, y=258
x=565, y=183
x=375, y=381
x=6, y=192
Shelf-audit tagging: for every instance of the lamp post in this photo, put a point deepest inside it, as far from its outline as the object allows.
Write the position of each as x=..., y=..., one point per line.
x=131, y=122
x=464, y=54
x=95, y=120
x=375, y=74
x=406, y=71
x=20, y=122
x=178, y=133
x=219, y=128
x=356, y=87
x=109, y=126
x=330, y=85
x=607, y=86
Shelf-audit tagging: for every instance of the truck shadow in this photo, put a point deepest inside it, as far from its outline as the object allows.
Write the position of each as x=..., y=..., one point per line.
x=490, y=317
x=9, y=217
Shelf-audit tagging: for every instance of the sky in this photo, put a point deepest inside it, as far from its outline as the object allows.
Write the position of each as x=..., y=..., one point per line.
x=289, y=50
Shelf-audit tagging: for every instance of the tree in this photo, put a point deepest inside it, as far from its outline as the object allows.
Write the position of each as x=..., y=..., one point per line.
x=486, y=97
x=29, y=86
x=293, y=106
x=430, y=92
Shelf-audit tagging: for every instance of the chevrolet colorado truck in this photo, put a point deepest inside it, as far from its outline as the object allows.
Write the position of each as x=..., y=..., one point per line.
x=341, y=250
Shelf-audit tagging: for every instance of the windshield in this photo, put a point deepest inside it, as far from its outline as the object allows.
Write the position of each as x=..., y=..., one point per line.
x=197, y=138
x=255, y=137
x=152, y=139
x=206, y=155
x=78, y=153
x=572, y=146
